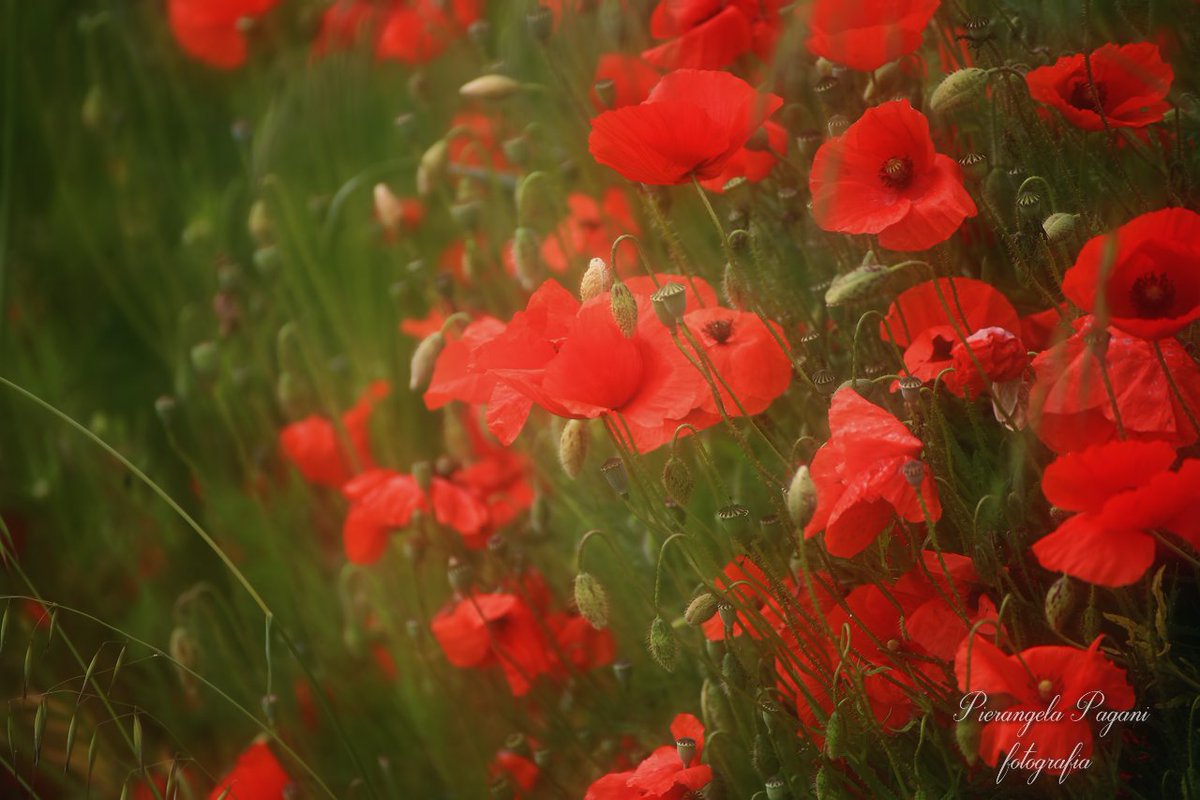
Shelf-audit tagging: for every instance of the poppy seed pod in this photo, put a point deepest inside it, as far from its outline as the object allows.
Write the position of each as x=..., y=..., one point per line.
x=910, y=388
x=728, y=617
x=614, y=472
x=573, y=447
x=776, y=788
x=460, y=575
x=670, y=303
x=597, y=280
x=801, y=497
x=424, y=359
x=974, y=165
x=624, y=308
x=914, y=473
x=701, y=609
x=685, y=746
x=540, y=23
x=959, y=89
x=591, y=600
x=489, y=87
x=663, y=646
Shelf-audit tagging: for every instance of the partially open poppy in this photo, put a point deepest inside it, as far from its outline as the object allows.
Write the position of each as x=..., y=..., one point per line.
x=866, y=34
x=883, y=177
x=1130, y=84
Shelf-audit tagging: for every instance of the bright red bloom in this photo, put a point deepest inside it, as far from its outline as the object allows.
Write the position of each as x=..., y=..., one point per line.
x=882, y=176
x=257, y=775
x=1069, y=408
x=414, y=34
x=859, y=475
x=210, y=30
x=487, y=630
x=922, y=320
x=314, y=447
x=692, y=123
x=381, y=501
x=752, y=164
x=710, y=34
x=1145, y=275
x=522, y=772
x=1122, y=491
x=998, y=352
x=580, y=644
x=1028, y=682
x=745, y=355
x=589, y=231
x=632, y=78
x=662, y=775
x=1131, y=82
x=866, y=34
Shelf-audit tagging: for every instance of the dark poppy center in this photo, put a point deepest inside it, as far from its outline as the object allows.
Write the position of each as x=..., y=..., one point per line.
x=1152, y=295
x=941, y=349
x=1081, y=96
x=896, y=172
x=719, y=330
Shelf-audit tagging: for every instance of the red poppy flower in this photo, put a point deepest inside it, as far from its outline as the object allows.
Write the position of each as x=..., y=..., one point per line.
x=381, y=501
x=710, y=34
x=662, y=775
x=1069, y=407
x=922, y=320
x=343, y=25
x=589, y=230
x=1131, y=82
x=521, y=772
x=414, y=34
x=632, y=79
x=1043, y=329
x=866, y=34
x=882, y=176
x=257, y=775
x=487, y=630
x=1122, y=491
x=741, y=582
x=745, y=355
x=753, y=164
x=582, y=646
x=859, y=475
x=1028, y=682
x=314, y=447
x=211, y=30
x=692, y=123
x=1145, y=275
x=997, y=352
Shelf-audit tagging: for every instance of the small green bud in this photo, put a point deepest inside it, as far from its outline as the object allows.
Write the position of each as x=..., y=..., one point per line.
x=624, y=308
x=527, y=257
x=701, y=609
x=424, y=359
x=677, y=480
x=1060, y=227
x=573, y=447
x=801, y=497
x=861, y=283
x=664, y=647
x=835, y=735
x=206, y=359
x=592, y=600
x=259, y=224
x=958, y=90
x=489, y=87
x=1060, y=601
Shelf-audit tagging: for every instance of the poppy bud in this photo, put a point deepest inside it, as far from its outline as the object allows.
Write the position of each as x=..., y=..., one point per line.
x=597, y=280
x=259, y=223
x=432, y=166
x=573, y=447
x=527, y=257
x=974, y=165
x=677, y=480
x=776, y=788
x=622, y=671
x=914, y=473
x=835, y=735
x=267, y=260
x=459, y=573
x=967, y=733
x=1091, y=623
x=1060, y=598
x=624, y=308
x=424, y=359
x=606, y=91
x=540, y=23
x=960, y=88
x=206, y=359
x=670, y=303
x=733, y=286
x=489, y=87
x=714, y=707
x=614, y=472
x=701, y=609
x=861, y=283
x=685, y=746
x=732, y=671
x=825, y=787
x=1060, y=227
x=591, y=600
x=664, y=647
x=516, y=149
x=801, y=497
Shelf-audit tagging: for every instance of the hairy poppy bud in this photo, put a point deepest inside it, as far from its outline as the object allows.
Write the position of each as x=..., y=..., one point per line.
x=861, y=283
x=733, y=286
x=424, y=358
x=573, y=447
x=835, y=735
x=614, y=472
x=597, y=280
x=624, y=308
x=701, y=609
x=1060, y=227
x=967, y=733
x=732, y=671
x=677, y=480
x=714, y=707
x=685, y=746
x=664, y=647
x=592, y=600
x=959, y=89
x=527, y=257
x=432, y=166
x=801, y=497
x=1060, y=599
x=489, y=87
x=914, y=473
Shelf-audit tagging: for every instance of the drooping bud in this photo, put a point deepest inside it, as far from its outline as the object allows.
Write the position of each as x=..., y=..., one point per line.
x=597, y=279
x=424, y=359
x=801, y=497
x=959, y=89
x=701, y=609
x=1060, y=601
x=489, y=87
x=591, y=600
x=863, y=282
x=677, y=480
x=527, y=258
x=1060, y=227
x=432, y=167
x=967, y=733
x=614, y=472
x=573, y=447
x=664, y=647
x=624, y=308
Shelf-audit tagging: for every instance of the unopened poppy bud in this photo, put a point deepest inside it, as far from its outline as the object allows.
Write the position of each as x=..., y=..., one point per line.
x=432, y=167
x=516, y=150
x=527, y=257
x=701, y=609
x=573, y=447
x=967, y=733
x=206, y=359
x=732, y=671
x=664, y=648
x=776, y=788
x=835, y=735
x=959, y=89
x=606, y=92
x=624, y=308
x=714, y=707
x=732, y=284
x=424, y=359
x=614, y=472
x=1059, y=227
x=267, y=260
x=914, y=473
x=825, y=381
x=685, y=746
x=1060, y=599
x=825, y=786
x=974, y=165
x=489, y=87
x=910, y=388
x=623, y=672
x=677, y=480
x=801, y=497
x=861, y=283
x=460, y=575
x=591, y=600
x=597, y=280
x=670, y=302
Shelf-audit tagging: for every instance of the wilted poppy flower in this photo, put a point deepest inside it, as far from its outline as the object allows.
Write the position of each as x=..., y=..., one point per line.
x=663, y=775
x=882, y=176
x=1131, y=82
x=314, y=446
x=860, y=476
x=922, y=320
x=752, y=162
x=1122, y=491
x=212, y=31
x=692, y=123
x=1028, y=682
x=486, y=630
x=745, y=355
x=257, y=775
x=1069, y=407
x=632, y=79
x=866, y=34
x=1145, y=276
x=710, y=34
